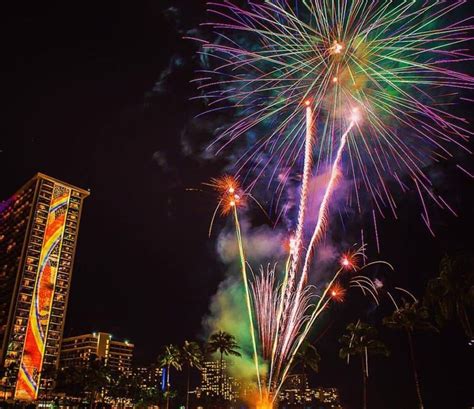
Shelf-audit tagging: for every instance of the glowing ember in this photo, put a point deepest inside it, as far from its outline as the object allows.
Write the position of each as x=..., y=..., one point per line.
x=337, y=292
x=337, y=47
x=355, y=115
x=225, y=185
x=265, y=402
x=230, y=193
x=292, y=245
x=348, y=261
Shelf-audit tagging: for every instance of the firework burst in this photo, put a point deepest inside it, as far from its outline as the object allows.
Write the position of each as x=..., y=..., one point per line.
x=337, y=292
x=392, y=61
x=374, y=79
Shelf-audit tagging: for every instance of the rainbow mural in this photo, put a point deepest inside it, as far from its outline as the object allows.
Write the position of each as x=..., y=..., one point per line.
x=27, y=385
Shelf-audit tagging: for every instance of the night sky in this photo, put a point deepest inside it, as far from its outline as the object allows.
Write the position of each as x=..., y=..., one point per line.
x=96, y=93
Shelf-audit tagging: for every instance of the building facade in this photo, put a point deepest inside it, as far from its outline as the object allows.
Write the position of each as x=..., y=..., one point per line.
x=211, y=382
x=297, y=393
x=149, y=377
x=39, y=227
x=78, y=351
x=327, y=396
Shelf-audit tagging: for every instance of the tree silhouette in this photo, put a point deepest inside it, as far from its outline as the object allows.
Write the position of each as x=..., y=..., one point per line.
x=451, y=294
x=225, y=344
x=192, y=356
x=170, y=358
x=408, y=318
x=307, y=357
x=361, y=340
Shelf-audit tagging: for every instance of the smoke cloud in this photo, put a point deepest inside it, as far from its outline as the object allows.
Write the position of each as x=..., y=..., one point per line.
x=228, y=311
x=261, y=244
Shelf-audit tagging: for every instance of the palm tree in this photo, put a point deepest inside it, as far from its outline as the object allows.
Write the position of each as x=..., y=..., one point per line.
x=123, y=386
x=361, y=340
x=149, y=397
x=411, y=317
x=83, y=380
x=70, y=381
x=192, y=355
x=95, y=378
x=171, y=357
x=307, y=357
x=451, y=294
x=225, y=344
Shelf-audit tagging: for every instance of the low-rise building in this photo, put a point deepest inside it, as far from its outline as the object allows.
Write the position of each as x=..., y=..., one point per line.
x=296, y=392
x=77, y=351
x=211, y=384
x=149, y=377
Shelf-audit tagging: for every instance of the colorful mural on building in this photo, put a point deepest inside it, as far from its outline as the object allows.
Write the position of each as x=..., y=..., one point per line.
x=29, y=373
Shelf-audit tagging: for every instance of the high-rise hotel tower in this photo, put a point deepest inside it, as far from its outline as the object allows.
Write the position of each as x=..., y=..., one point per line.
x=38, y=234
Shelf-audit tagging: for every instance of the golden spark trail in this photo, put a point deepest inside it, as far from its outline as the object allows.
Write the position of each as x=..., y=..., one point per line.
x=247, y=295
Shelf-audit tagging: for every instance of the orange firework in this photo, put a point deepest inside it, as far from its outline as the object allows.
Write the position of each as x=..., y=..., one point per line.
x=263, y=400
x=230, y=193
x=349, y=261
x=337, y=292
x=225, y=185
